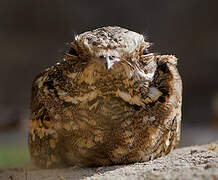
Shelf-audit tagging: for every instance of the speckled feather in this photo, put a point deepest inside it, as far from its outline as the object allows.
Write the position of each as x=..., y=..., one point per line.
x=84, y=114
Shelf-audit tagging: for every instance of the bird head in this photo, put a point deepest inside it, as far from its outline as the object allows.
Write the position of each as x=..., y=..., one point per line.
x=108, y=46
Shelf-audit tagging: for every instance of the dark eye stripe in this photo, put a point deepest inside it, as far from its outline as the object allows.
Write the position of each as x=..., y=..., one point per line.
x=72, y=51
x=145, y=51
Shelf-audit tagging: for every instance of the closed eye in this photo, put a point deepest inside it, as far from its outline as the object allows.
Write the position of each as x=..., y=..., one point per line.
x=73, y=52
x=145, y=51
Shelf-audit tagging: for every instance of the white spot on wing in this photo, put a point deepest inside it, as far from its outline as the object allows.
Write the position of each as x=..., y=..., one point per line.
x=128, y=98
x=64, y=96
x=125, y=96
x=154, y=93
x=167, y=142
x=148, y=76
x=74, y=101
x=152, y=119
x=129, y=74
x=72, y=75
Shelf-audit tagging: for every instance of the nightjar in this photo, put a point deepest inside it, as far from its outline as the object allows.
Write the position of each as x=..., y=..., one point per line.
x=108, y=101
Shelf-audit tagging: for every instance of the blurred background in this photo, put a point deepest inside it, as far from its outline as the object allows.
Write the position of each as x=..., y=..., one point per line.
x=33, y=36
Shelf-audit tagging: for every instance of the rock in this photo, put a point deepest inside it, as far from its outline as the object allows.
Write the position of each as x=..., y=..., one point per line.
x=194, y=162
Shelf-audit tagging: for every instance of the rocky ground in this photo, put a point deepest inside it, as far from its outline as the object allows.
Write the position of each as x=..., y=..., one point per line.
x=194, y=162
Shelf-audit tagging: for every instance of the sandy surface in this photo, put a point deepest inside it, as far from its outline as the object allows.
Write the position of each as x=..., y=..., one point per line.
x=194, y=162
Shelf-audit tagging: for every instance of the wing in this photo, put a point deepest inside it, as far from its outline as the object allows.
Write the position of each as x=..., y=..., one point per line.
x=162, y=96
x=160, y=80
x=49, y=104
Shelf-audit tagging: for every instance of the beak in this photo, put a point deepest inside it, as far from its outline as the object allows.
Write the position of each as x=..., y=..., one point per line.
x=109, y=63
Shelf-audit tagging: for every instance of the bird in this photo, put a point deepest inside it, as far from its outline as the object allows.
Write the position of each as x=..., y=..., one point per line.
x=108, y=101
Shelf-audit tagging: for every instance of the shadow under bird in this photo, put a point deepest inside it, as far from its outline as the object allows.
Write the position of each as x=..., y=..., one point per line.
x=108, y=101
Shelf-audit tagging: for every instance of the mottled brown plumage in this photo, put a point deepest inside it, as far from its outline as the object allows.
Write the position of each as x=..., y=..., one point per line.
x=106, y=102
